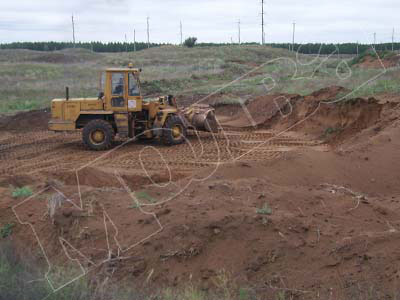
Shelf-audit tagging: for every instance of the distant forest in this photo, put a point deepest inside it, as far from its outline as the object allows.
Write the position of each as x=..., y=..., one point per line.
x=311, y=48
x=346, y=48
x=93, y=46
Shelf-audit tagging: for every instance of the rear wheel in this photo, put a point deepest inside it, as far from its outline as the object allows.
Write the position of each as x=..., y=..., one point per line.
x=174, y=131
x=98, y=135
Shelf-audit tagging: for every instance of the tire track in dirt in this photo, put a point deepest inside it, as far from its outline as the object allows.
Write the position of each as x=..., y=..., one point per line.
x=33, y=153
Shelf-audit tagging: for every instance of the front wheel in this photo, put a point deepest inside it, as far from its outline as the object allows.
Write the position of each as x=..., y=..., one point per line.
x=174, y=131
x=98, y=135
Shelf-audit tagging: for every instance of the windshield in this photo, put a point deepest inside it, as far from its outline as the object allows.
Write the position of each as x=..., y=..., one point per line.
x=102, y=81
x=117, y=84
x=133, y=85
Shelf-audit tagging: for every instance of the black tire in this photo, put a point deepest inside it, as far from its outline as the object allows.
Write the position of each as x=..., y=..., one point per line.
x=169, y=136
x=95, y=129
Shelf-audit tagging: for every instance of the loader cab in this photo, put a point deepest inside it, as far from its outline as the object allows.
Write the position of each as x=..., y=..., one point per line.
x=122, y=90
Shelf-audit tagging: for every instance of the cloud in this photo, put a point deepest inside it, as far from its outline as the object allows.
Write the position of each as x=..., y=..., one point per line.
x=215, y=21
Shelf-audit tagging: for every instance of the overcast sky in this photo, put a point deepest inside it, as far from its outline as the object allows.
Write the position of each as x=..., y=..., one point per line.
x=210, y=21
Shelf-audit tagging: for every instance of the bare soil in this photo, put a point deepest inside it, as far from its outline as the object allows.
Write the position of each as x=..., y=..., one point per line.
x=379, y=63
x=25, y=121
x=286, y=205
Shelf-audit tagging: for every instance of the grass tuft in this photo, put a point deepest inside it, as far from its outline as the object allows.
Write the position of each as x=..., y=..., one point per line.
x=22, y=192
x=265, y=210
x=6, y=230
x=145, y=196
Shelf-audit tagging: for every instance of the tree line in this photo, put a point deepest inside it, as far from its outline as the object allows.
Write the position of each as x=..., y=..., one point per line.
x=310, y=48
x=93, y=46
x=327, y=49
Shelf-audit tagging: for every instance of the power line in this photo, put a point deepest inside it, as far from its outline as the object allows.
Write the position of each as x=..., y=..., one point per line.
x=73, y=30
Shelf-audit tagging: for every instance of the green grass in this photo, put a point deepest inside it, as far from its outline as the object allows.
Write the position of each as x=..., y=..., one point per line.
x=30, y=79
x=265, y=210
x=378, y=54
x=22, y=192
x=145, y=196
x=330, y=131
x=229, y=100
x=20, y=105
x=6, y=230
x=21, y=278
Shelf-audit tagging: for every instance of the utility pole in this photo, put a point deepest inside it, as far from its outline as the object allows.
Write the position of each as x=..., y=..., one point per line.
x=294, y=32
x=374, y=40
x=148, y=33
x=134, y=40
x=126, y=43
x=262, y=22
x=73, y=30
x=239, y=31
x=357, y=49
x=181, y=33
x=393, y=40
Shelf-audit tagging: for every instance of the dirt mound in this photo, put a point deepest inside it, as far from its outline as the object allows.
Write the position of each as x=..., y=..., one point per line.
x=332, y=122
x=17, y=181
x=259, y=109
x=26, y=121
x=56, y=58
x=317, y=114
x=328, y=93
x=94, y=177
x=263, y=108
x=67, y=56
x=370, y=61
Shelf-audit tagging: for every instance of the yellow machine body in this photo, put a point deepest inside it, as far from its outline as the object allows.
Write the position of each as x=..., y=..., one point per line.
x=121, y=110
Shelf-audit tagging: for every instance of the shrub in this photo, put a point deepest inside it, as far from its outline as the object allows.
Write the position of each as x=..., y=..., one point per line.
x=190, y=42
x=21, y=278
x=229, y=101
x=22, y=192
x=6, y=230
x=265, y=210
x=381, y=54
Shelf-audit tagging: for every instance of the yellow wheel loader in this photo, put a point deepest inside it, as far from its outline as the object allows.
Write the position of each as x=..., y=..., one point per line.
x=121, y=110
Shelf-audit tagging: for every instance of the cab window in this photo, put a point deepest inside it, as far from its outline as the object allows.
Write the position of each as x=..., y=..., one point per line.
x=117, y=81
x=133, y=85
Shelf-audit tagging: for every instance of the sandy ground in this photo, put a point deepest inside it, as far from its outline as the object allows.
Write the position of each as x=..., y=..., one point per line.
x=306, y=202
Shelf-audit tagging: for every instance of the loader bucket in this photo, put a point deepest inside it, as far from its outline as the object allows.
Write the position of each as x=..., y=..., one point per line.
x=202, y=118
